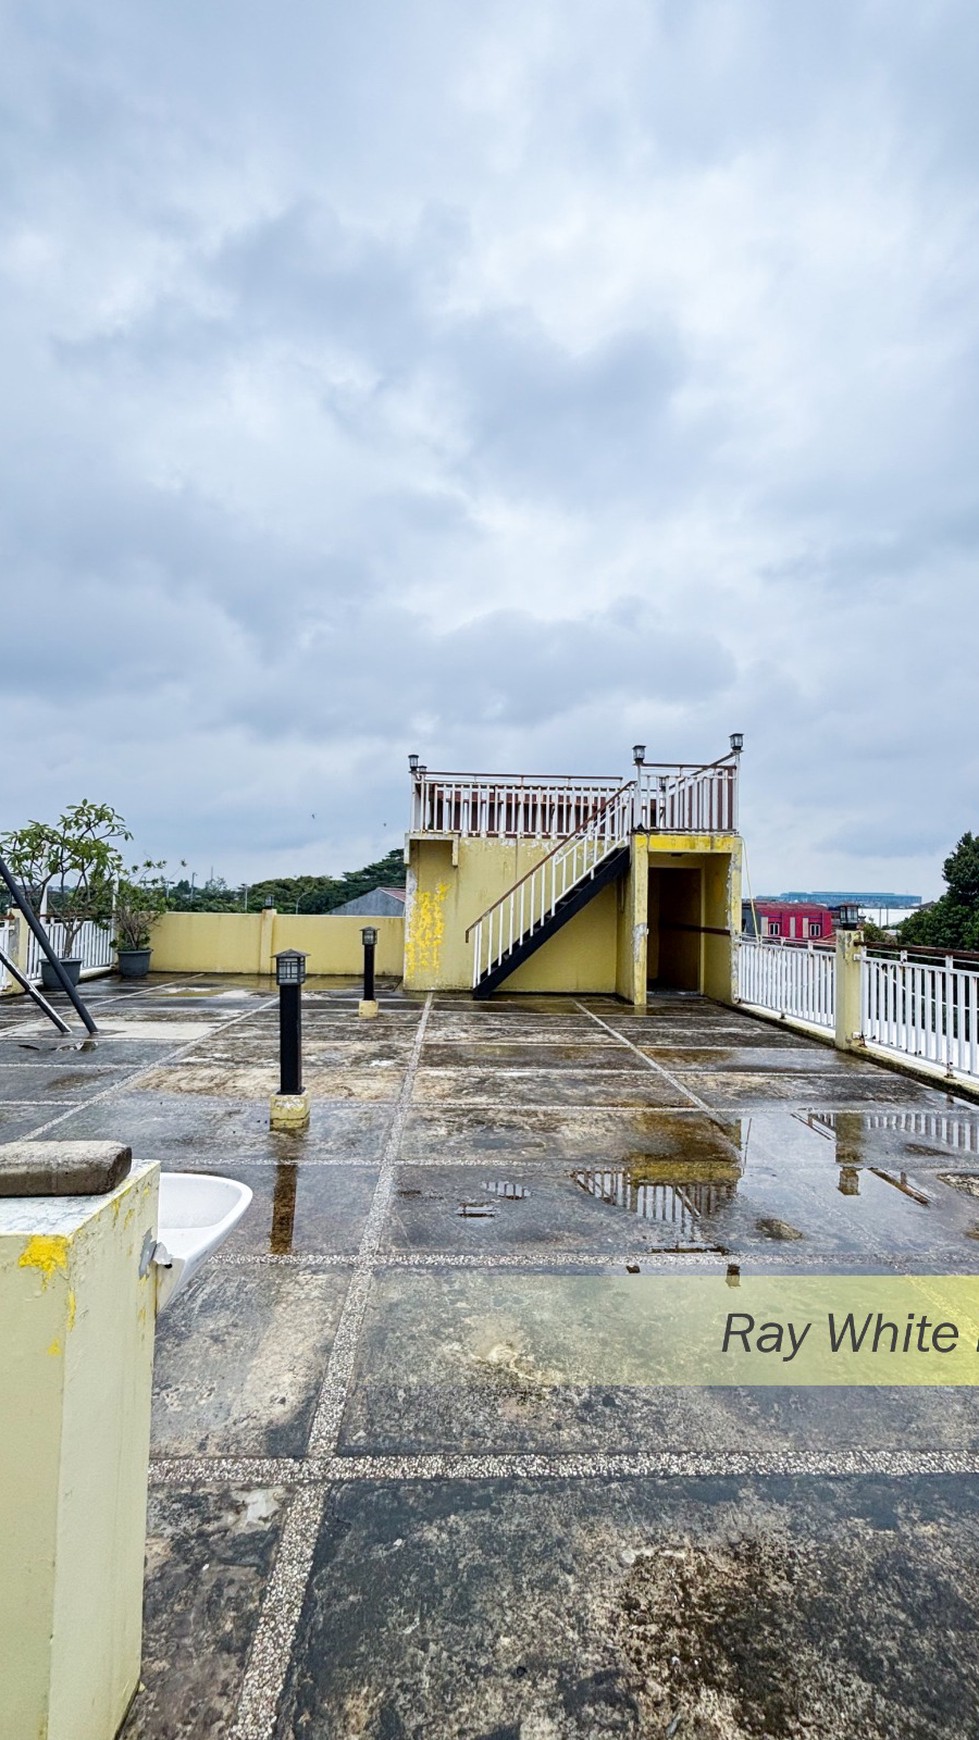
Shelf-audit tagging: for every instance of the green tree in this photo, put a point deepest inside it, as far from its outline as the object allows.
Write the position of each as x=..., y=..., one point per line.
x=309, y=894
x=74, y=860
x=951, y=922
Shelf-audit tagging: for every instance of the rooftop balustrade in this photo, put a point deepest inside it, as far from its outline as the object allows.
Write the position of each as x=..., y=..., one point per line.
x=668, y=797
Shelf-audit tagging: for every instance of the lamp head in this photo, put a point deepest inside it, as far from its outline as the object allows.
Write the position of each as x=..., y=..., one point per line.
x=847, y=916
x=290, y=967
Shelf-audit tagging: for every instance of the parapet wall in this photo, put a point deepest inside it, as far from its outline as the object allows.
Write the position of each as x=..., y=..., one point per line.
x=247, y=942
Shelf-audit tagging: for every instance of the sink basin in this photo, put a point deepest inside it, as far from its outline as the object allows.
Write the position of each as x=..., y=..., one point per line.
x=198, y=1210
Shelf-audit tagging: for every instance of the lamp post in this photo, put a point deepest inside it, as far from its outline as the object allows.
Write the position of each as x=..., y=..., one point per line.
x=847, y=916
x=290, y=1106
x=737, y=742
x=368, y=1005
x=638, y=756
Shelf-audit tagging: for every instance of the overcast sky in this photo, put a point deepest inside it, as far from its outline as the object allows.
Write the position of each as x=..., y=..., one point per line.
x=507, y=381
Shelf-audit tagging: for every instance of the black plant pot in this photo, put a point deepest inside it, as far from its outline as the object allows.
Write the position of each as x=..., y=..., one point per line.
x=134, y=963
x=50, y=979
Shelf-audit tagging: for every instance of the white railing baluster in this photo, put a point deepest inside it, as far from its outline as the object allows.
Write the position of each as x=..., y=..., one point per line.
x=673, y=797
x=789, y=979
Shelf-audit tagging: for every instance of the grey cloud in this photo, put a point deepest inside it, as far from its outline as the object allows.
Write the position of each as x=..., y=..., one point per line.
x=515, y=382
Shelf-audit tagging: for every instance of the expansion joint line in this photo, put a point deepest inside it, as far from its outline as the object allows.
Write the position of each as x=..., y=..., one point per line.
x=144, y=1069
x=678, y=1086
x=282, y=1605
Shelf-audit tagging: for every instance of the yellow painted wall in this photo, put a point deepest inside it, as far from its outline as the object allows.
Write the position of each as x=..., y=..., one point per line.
x=579, y=957
x=631, y=940
x=444, y=898
x=722, y=906
x=605, y=947
x=76, y=1360
x=206, y=942
x=246, y=942
x=334, y=945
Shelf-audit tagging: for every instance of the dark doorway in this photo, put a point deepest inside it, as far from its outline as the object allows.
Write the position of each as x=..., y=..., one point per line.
x=675, y=933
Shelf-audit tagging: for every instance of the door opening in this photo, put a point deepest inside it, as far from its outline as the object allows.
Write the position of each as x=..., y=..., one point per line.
x=675, y=929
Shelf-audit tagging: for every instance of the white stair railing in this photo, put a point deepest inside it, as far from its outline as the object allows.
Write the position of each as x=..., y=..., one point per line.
x=534, y=899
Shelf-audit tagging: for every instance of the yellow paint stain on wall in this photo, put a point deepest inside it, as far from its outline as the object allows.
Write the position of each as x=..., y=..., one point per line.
x=423, y=944
x=47, y=1252
x=55, y=1349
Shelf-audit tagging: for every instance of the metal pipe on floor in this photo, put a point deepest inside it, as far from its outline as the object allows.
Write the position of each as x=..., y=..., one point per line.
x=32, y=991
x=24, y=906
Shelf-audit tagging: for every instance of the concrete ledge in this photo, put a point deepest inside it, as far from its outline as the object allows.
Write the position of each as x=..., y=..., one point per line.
x=825, y=1034
x=902, y=1063
x=62, y=1168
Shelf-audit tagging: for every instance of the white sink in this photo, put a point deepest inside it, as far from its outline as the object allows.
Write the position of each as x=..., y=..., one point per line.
x=197, y=1212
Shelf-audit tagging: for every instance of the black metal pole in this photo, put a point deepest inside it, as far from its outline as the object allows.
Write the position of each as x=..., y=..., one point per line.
x=32, y=991
x=368, y=972
x=23, y=905
x=290, y=1040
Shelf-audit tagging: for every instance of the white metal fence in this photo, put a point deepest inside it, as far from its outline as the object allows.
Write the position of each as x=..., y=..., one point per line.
x=913, y=1005
x=6, y=932
x=923, y=1009
x=790, y=978
x=92, y=944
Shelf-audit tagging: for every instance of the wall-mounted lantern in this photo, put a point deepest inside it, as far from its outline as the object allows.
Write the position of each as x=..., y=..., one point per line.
x=413, y=762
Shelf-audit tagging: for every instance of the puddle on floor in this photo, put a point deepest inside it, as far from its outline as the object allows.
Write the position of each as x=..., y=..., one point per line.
x=680, y=1204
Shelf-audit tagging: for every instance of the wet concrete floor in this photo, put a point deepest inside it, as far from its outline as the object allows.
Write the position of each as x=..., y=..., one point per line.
x=389, y=1498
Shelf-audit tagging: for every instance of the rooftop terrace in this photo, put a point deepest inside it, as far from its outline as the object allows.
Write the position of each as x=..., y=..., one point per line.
x=392, y=1498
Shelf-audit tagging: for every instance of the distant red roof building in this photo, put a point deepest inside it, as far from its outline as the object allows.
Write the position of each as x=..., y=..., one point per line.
x=794, y=921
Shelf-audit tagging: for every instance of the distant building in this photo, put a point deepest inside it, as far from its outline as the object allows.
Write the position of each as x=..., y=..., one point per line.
x=379, y=903
x=793, y=920
x=831, y=898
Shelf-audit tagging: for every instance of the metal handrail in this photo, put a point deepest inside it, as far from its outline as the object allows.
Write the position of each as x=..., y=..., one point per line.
x=562, y=846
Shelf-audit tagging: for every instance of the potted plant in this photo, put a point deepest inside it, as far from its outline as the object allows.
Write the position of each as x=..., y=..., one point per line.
x=141, y=896
x=67, y=870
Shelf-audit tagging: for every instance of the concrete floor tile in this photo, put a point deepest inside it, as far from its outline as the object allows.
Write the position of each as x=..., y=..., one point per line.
x=208, y=1558
x=193, y=1129
x=240, y=1357
x=537, y=1087
x=438, y=1132
x=519, y=1207
x=301, y=1210
x=724, y=1610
